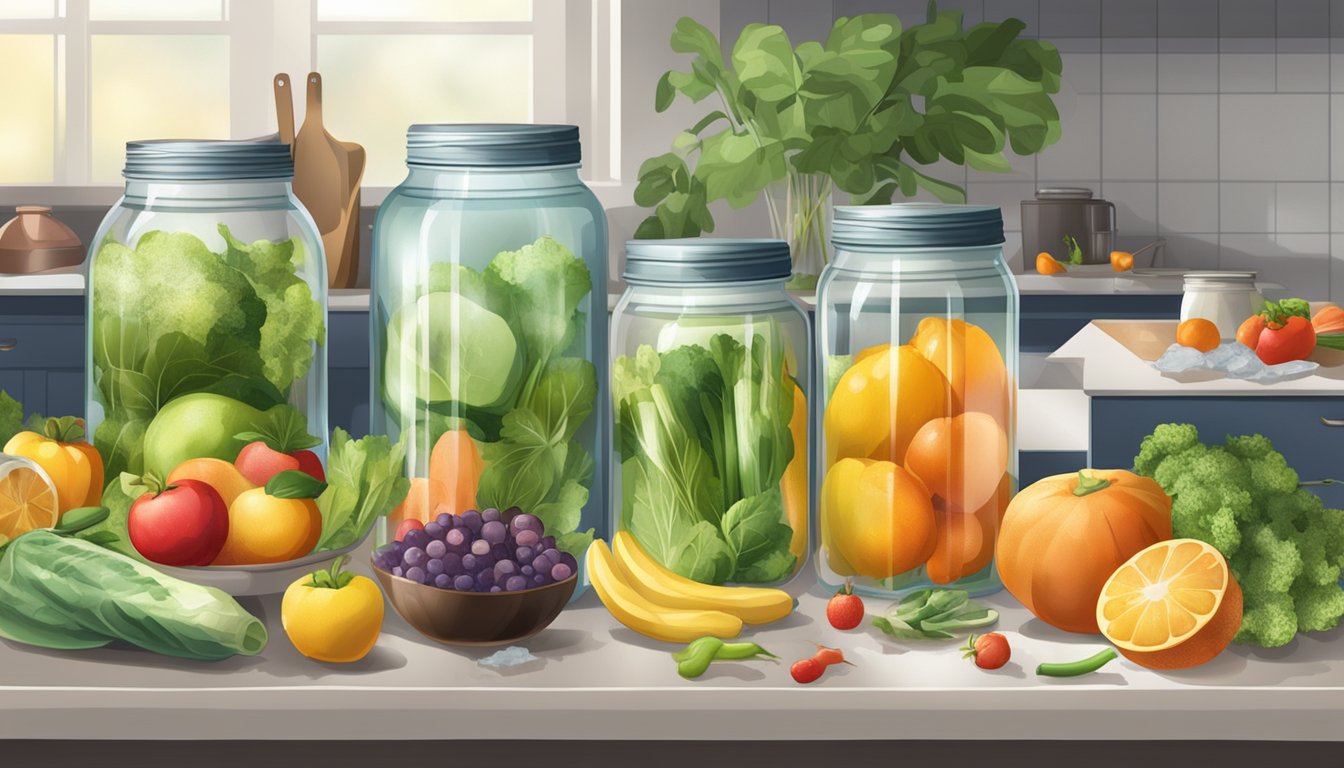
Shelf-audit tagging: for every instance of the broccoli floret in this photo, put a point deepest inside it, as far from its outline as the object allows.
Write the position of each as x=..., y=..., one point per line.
x=1318, y=606
x=1199, y=512
x=1271, y=622
x=1166, y=441
x=1284, y=548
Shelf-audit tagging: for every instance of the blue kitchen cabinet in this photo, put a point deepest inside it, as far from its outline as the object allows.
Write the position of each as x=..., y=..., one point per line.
x=348, y=371
x=1293, y=424
x=42, y=352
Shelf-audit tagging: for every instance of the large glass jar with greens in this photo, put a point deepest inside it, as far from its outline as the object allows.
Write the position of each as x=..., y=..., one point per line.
x=709, y=382
x=489, y=333
x=207, y=305
x=917, y=333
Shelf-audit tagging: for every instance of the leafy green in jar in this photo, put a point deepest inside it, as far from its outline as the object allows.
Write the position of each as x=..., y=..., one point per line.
x=170, y=317
x=505, y=362
x=703, y=436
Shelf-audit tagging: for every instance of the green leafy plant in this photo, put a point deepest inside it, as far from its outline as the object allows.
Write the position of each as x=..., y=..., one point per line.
x=865, y=112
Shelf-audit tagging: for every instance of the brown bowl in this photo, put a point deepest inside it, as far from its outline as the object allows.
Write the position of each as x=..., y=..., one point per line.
x=475, y=618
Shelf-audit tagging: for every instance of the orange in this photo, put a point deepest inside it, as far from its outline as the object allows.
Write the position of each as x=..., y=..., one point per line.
x=1173, y=605
x=960, y=458
x=964, y=543
x=1049, y=265
x=456, y=465
x=219, y=474
x=27, y=497
x=1122, y=261
x=877, y=520
x=1198, y=333
x=267, y=529
x=970, y=361
x=880, y=402
x=422, y=501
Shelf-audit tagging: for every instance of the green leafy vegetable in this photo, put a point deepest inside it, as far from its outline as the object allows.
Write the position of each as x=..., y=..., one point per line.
x=934, y=614
x=69, y=594
x=11, y=417
x=171, y=317
x=1075, y=250
x=868, y=110
x=703, y=435
x=1284, y=547
x=502, y=365
x=365, y=481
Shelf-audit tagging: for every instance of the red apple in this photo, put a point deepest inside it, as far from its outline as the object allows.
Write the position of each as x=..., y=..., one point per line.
x=259, y=462
x=310, y=465
x=185, y=524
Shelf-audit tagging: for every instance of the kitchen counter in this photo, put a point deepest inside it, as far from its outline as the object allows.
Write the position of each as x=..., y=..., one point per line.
x=596, y=680
x=1108, y=368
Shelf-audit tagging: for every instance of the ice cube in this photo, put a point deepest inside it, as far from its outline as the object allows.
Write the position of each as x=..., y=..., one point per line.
x=1178, y=359
x=1293, y=369
x=1245, y=365
x=513, y=656
x=1224, y=355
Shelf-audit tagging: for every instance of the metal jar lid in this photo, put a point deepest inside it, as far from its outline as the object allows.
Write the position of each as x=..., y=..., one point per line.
x=205, y=160
x=917, y=225
x=1064, y=193
x=487, y=145
x=1195, y=281
x=707, y=260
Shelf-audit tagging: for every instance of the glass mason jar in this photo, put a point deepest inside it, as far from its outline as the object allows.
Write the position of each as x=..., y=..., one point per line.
x=207, y=309
x=709, y=380
x=488, y=322
x=917, y=320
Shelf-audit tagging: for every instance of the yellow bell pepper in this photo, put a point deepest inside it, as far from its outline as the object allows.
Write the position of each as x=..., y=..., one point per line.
x=74, y=466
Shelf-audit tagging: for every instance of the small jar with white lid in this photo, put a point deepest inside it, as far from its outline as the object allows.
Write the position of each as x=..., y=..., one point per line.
x=1224, y=298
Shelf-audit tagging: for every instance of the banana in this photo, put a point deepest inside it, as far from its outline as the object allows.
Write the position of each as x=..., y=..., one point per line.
x=655, y=621
x=754, y=605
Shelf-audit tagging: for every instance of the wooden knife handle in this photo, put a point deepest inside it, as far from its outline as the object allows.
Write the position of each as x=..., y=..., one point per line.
x=284, y=107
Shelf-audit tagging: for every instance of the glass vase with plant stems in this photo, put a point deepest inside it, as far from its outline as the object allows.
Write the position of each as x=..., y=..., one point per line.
x=867, y=112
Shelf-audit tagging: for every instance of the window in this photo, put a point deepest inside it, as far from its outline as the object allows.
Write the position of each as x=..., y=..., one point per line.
x=98, y=73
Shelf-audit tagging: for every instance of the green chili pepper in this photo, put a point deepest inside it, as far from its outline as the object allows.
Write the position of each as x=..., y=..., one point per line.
x=695, y=659
x=1074, y=668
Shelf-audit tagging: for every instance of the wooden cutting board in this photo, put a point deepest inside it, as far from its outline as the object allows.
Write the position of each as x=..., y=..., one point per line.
x=327, y=173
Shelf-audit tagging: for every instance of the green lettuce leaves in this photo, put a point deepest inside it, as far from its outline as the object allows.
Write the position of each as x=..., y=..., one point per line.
x=703, y=436
x=171, y=317
x=507, y=365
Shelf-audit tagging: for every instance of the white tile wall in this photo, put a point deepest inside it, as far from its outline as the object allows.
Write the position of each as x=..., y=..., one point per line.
x=1184, y=206
x=1128, y=136
x=1278, y=137
x=1246, y=207
x=1187, y=136
x=1302, y=207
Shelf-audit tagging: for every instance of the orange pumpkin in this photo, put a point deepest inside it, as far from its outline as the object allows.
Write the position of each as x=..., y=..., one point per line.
x=1064, y=536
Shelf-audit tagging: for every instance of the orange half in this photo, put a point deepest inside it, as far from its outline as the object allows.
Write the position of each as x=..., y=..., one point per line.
x=27, y=497
x=1173, y=605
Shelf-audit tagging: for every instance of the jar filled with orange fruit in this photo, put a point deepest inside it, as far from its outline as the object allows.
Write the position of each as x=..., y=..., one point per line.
x=917, y=332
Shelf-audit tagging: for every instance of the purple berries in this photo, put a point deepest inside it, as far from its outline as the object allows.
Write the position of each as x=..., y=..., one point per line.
x=485, y=551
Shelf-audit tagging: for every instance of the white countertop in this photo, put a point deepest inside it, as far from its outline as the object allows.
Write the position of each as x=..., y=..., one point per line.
x=1108, y=368
x=597, y=680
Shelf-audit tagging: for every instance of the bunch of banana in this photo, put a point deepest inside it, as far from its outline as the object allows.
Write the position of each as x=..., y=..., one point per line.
x=657, y=603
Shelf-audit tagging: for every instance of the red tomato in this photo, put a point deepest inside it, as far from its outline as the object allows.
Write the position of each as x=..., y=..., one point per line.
x=845, y=609
x=989, y=651
x=1293, y=340
x=186, y=524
